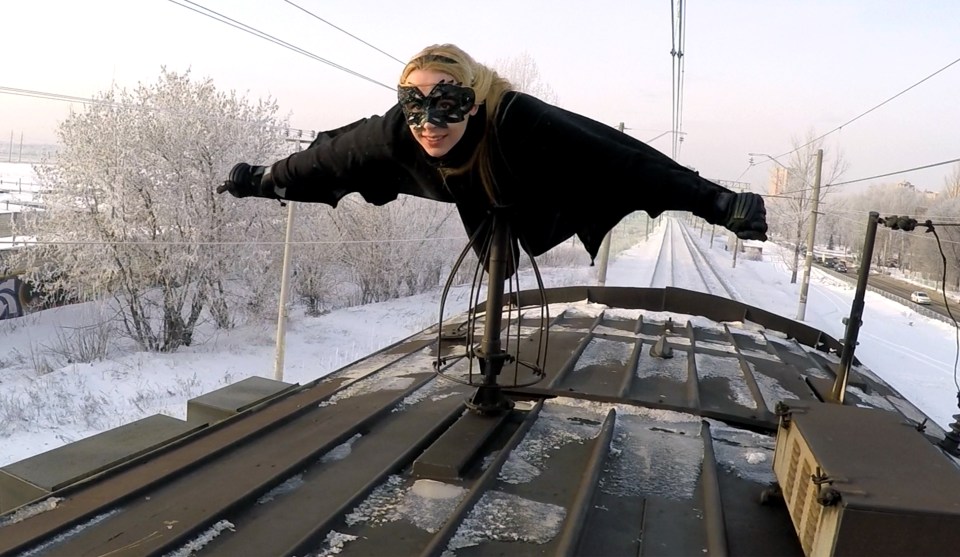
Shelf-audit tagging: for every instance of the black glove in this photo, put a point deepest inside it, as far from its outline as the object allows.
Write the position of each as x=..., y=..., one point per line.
x=744, y=215
x=246, y=181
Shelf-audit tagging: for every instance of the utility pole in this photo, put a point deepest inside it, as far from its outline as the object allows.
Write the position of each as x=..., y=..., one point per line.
x=811, y=237
x=284, y=285
x=605, y=248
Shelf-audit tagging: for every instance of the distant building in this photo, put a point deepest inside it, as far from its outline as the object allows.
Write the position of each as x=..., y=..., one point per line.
x=778, y=181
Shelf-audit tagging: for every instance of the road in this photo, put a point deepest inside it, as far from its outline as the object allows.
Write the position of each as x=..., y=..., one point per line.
x=897, y=288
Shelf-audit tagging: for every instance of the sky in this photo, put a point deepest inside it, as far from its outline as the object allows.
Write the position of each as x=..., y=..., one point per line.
x=760, y=76
x=916, y=355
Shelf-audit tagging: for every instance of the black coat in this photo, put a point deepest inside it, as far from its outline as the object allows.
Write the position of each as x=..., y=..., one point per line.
x=558, y=173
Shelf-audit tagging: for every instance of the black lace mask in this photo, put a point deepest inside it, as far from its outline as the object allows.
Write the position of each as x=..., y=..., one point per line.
x=446, y=103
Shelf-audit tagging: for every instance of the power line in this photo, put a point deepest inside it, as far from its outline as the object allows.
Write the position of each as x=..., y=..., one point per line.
x=834, y=184
x=101, y=102
x=267, y=37
x=940, y=218
x=893, y=173
x=678, y=41
x=854, y=119
x=344, y=31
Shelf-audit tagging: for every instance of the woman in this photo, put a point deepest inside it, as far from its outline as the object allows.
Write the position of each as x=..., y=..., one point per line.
x=459, y=134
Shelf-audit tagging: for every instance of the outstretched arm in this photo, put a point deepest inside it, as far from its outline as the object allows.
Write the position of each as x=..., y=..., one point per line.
x=362, y=157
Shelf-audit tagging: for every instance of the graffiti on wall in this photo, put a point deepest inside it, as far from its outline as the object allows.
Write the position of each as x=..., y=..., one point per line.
x=11, y=304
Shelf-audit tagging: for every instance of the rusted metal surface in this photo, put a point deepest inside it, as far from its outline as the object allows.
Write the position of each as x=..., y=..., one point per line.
x=619, y=451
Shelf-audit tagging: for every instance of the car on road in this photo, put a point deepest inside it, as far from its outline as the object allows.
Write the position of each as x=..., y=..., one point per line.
x=920, y=298
x=840, y=267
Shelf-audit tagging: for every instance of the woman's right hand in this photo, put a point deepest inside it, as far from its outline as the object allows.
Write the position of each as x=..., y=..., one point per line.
x=246, y=180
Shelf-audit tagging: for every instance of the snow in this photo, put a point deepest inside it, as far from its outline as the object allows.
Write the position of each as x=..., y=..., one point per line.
x=914, y=354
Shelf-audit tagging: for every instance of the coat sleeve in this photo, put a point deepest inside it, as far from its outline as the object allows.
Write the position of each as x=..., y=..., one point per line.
x=588, y=175
x=362, y=157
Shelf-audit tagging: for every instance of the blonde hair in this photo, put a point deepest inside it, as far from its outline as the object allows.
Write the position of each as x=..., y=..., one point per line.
x=486, y=83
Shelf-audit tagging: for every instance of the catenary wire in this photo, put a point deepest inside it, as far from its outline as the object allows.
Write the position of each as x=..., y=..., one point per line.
x=893, y=173
x=344, y=31
x=266, y=36
x=846, y=182
x=854, y=119
x=100, y=102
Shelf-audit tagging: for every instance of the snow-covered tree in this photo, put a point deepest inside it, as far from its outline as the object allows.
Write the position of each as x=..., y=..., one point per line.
x=951, y=184
x=402, y=248
x=790, y=210
x=131, y=211
x=522, y=71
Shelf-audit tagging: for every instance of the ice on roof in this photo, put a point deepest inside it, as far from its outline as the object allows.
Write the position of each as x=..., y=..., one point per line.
x=746, y=454
x=503, y=517
x=870, y=400
x=41, y=548
x=653, y=452
x=205, y=537
x=674, y=368
x=771, y=389
x=341, y=451
x=729, y=369
x=333, y=544
x=30, y=510
x=601, y=351
x=427, y=504
x=291, y=484
x=717, y=346
x=649, y=457
x=556, y=426
x=394, y=378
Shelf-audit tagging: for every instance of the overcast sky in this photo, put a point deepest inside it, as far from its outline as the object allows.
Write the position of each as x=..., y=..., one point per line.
x=758, y=73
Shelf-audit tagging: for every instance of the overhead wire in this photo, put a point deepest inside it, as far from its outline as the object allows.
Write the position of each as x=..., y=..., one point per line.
x=100, y=102
x=682, y=71
x=861, y=115
x=847, y=182
x=893, y=173
x=344, y=31
x=216, y=16
x=678, y=42
x=673, y=78
x=932, y=228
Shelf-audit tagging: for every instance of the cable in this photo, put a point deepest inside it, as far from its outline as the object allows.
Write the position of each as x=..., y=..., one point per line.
x=931, y=227
x=673, y=77
x=678, y=40
x=893, y=173
x=99, y=102
x=682, y=70
x=852, y=120
x=893, y=211
x=311, y=14
x=266, y=36
x=835, y=184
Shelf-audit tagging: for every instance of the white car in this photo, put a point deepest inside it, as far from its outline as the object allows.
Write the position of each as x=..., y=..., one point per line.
x=920, y=298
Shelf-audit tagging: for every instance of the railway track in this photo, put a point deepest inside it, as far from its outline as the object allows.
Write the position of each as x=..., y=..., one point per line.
x=681, y=264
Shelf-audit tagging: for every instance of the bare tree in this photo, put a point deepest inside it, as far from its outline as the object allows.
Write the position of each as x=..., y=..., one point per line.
x=791, y=208
x=131, y=211
x=522, y=71
x=951, y=184
x=400, y=249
